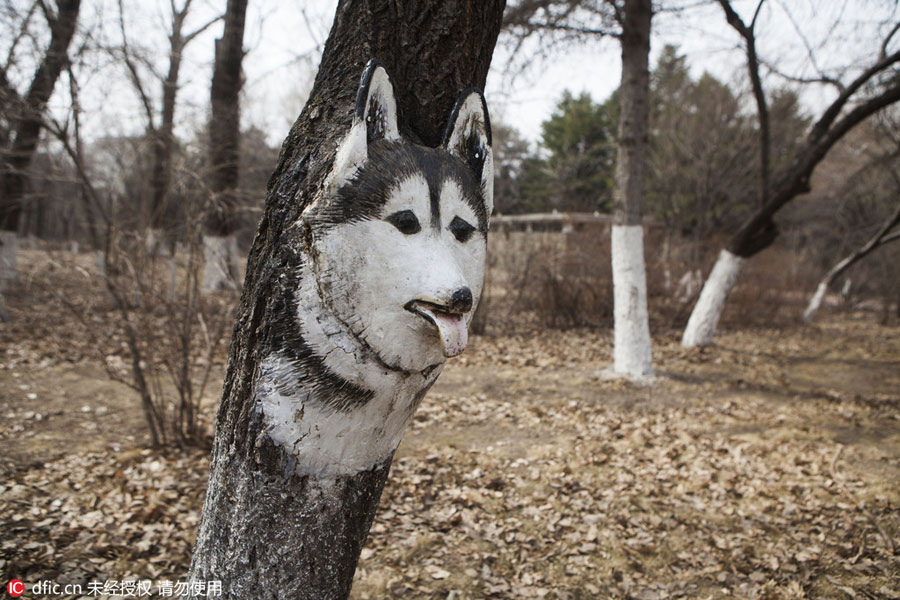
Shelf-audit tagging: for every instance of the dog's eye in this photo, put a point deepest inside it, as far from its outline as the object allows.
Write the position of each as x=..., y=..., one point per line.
x=405, y=221
x=461, y=230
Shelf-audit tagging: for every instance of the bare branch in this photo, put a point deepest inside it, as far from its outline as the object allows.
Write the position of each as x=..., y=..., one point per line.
x=810, y=53
x=758, y=94
x=823, y=79
x=135, y=77
x=887, y=40
x=880, y=238
x=831, y=113
x=15, y=42
x=572, y=28
x=189, y=37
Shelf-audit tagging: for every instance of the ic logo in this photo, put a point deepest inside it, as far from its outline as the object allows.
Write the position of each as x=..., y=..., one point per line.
x=15, y=587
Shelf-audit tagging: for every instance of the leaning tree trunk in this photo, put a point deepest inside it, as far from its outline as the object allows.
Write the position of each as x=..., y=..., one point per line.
x=271, y=528
x=632, y=356
x=220, y=269
x=880, y=238
x=759, y=231
x=27, y=130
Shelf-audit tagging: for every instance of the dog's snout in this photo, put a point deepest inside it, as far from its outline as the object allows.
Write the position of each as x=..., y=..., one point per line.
x=461, y=300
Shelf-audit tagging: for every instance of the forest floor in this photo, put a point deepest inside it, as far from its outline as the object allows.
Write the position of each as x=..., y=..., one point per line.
x=765, y=466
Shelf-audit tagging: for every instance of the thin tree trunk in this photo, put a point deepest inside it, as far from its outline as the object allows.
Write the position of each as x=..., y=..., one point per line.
x=164, y=136
x=219, y=240
x=270, y=529
x=163, y=139
x=632, y=354
x=879, y=239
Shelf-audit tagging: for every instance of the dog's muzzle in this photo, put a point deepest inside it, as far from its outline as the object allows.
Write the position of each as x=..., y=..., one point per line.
x=448, y=318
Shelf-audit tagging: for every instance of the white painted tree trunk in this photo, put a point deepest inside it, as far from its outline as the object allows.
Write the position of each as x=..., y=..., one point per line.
x=155, y=243
x=9, y=250
x=221, y=270
x=702, y=325
x=815, y=302
x=631, y=355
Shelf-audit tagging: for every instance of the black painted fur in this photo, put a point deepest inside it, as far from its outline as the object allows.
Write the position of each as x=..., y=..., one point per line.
x=388, y=164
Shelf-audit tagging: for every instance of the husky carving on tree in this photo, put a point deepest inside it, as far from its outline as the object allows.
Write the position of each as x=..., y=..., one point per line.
x=391, y=265
x=380, y=278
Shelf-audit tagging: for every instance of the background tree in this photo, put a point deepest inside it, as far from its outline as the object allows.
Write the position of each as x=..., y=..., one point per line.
x=631, y=352
x=579, y=137
x=873, y=88
x=510, y=153
x=850, y=220
x=161, y=123
x=263, y=526
x=220, y=240
x=23, y=116
x=701, y=151
x=629, y=21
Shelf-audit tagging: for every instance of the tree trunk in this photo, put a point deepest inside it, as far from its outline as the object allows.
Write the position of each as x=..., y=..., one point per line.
x=219, y=240
x=704, y=319
x=879, y=239
x=759, y=230
x=632, y=355
x=272, y=525
x=163, y=147
x=27, y=131
x=9, y=250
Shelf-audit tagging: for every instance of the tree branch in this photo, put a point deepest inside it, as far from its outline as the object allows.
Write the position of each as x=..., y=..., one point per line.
x=887, y=40
x=133, y=72
x=758, y=94
x=201, y=29
x=879, y=239
x=831, y=113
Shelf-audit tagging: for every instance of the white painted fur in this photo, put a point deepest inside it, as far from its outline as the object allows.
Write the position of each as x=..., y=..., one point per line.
x=353, y=150
x=369, y=270
x=471, y=120
x=363, y=326
x=326, y=443
x=329, y=443
x=631, y=354
x=702, y=325
x=355, y=280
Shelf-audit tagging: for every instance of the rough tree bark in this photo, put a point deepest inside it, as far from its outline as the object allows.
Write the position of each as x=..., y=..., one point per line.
x=219, y=240
x=882, y=237
x=266, y=531
x=759, y=230
x=27, y=129
x=632, y=354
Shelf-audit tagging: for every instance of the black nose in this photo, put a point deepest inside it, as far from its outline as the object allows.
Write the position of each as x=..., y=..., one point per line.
x=461, y=300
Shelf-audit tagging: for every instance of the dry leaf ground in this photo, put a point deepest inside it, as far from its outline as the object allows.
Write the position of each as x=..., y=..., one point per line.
x=767, y=466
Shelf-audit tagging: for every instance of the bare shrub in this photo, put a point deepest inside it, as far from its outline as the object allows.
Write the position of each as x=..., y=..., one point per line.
x=548, y=279
x=163, y=337
x=562, y=280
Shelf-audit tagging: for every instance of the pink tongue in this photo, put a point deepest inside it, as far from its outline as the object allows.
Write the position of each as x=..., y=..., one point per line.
x=454, y=334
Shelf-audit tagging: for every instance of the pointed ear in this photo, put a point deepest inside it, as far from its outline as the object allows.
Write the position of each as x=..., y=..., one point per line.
x=468, y=137
x=374, y=118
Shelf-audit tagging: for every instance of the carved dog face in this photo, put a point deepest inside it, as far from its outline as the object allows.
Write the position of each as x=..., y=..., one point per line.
x=399, y=234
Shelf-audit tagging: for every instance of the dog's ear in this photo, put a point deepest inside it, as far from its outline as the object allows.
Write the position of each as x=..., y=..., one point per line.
x=468, y=136
x=375, y=118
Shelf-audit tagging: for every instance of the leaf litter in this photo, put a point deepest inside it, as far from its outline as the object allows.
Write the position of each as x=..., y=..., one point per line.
x=766, y=466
